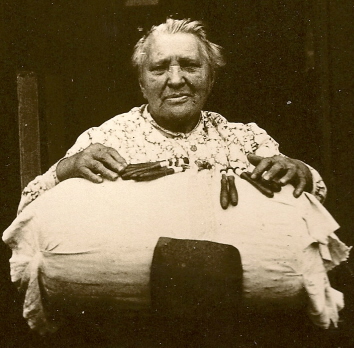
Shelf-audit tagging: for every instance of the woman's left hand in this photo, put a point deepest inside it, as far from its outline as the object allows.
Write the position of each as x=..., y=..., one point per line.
x=282, y=170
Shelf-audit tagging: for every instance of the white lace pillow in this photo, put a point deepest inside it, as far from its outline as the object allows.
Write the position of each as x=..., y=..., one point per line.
x=89, y=241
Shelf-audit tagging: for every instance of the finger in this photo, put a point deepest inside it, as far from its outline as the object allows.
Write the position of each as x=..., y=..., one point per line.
x=254, y=159
x=262, y=167
x=98, y=168
x=300, y=187
x=289, y=176
x=112, y=160
x=89, y=175
x=273, y=171
x=120, y=163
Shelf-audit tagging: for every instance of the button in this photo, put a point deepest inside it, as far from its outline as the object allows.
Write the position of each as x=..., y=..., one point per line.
x=194, y=148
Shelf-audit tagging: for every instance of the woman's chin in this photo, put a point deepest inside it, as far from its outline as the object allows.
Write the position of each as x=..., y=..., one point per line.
x=178, y=116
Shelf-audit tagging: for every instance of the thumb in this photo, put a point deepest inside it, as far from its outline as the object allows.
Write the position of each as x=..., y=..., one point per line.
x=254, y=159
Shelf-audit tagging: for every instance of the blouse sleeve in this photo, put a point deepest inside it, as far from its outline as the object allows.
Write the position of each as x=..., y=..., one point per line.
x=261, y=144
x=49, y=179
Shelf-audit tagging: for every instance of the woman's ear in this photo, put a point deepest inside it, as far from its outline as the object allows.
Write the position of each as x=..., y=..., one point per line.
x=211, y=82
x=142, y=88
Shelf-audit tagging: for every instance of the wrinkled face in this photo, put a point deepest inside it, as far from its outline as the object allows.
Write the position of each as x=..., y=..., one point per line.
x=176, y=80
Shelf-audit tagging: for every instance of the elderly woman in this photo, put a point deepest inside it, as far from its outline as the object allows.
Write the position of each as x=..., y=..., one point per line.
x=176, y=67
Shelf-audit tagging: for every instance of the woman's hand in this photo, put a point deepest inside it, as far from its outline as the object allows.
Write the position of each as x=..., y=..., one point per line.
x=94, y=163
x=282, y=170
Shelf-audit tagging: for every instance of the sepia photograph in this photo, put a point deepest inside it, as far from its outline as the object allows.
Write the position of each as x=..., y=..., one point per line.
x=176, y=173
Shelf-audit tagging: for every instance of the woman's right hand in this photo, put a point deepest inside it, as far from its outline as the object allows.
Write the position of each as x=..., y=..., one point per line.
x=94, y=163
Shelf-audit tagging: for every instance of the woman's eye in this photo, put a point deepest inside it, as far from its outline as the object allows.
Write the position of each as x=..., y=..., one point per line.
x=190, y=68
x=158, y=69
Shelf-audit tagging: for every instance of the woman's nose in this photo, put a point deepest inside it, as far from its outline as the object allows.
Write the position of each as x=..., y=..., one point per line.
x=175, y=75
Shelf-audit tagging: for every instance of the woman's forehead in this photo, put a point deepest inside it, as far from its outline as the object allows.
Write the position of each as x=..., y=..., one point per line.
x=164, y=46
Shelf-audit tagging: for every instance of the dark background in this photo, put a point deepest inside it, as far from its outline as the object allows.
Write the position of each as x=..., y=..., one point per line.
x=289, y=68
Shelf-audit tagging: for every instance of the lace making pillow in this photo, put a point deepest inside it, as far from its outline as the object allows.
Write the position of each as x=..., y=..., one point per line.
x=89, y=242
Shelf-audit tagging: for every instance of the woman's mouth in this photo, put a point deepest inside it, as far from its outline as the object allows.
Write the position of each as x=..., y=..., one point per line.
x=177, y=98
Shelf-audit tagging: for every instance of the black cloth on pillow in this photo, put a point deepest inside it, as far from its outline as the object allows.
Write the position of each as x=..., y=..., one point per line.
x=195, y=278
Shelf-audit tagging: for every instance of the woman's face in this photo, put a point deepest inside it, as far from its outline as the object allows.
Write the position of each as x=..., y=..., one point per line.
x=176, y=80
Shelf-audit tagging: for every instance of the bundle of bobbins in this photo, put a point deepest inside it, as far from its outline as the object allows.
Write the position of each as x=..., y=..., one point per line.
x=153, y=170
x=228, y=192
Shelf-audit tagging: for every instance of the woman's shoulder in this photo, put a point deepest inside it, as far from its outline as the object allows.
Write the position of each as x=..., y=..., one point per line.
x=218, y=120
x=214, y=117
x=124, y=122
x=120, y=122
x=132, y=115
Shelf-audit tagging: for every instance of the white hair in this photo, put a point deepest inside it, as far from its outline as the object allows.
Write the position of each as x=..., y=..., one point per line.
x=211, y=51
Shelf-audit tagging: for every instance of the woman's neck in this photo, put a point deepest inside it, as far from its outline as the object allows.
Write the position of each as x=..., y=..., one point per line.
x=175, y=125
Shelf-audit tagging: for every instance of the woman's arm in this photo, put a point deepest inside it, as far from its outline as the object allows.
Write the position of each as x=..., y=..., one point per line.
x=88, y=157
x=37, y=187
x=94, y=163
x=261, y=144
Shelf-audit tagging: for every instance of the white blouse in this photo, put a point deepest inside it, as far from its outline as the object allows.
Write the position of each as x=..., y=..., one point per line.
x=213, y=144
